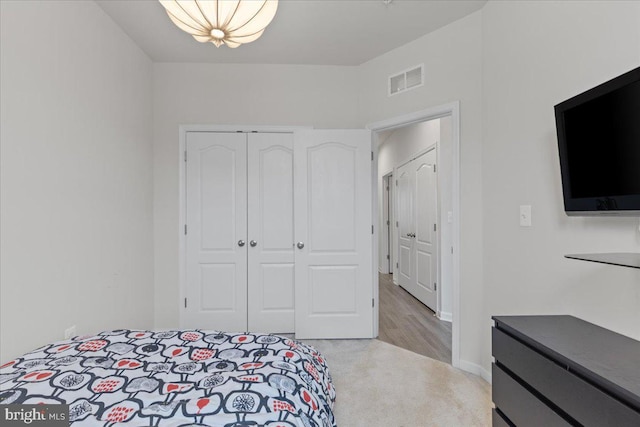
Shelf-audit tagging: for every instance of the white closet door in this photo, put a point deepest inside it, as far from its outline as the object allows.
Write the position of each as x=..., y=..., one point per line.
x=417, y=236
x=333, y=225
x=426, y=249
x=270, y=233
x=406, y=226
x=216, y=258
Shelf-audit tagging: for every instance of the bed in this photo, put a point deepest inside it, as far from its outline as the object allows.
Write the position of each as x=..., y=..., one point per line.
x=176, y=378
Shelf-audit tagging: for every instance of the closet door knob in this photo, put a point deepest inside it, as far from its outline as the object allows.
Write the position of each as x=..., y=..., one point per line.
x=241, y=243
x=253, y=243
x=300, y=245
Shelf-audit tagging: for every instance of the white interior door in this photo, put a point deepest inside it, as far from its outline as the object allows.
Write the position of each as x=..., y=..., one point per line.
x=216, y=253
x=426, y=241
x=406, y=223
x=270, y=233
x=333, y=228
x=417, y=228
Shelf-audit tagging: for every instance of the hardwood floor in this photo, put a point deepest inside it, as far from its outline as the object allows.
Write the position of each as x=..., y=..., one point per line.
x=406, y=322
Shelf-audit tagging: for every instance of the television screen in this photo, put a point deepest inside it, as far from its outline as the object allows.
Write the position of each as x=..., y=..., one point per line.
x=599, y=146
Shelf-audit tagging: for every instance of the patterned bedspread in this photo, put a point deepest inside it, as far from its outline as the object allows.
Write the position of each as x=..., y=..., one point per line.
x=176, y=378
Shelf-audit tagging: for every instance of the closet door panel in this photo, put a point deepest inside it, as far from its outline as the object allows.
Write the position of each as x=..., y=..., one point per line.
x=333, y=261
x=270, y=225
x=426, y=241
x=417, y=207
x=406, y=226
x=332, y=192
x=216, y=265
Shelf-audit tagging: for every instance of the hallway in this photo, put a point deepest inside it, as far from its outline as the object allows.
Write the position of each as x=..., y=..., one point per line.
x=406, y=322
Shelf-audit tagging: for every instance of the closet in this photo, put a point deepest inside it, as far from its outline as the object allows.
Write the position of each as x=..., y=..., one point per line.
x=240, y=230
x=417, y=203
x=278, y=233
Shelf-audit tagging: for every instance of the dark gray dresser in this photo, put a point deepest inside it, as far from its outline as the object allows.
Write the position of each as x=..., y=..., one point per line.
x=563, y=371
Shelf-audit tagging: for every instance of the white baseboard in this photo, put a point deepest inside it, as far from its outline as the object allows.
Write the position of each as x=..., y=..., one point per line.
x=475, y=369
x=444, y=316
x=486, y=375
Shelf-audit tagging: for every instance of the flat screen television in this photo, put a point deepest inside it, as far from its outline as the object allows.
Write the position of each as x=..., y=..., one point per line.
x=599, y=146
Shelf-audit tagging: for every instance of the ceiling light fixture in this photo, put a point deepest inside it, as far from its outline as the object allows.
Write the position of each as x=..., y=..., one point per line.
x=230, y=22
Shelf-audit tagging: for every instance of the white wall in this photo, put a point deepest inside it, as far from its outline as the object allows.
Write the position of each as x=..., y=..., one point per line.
x=400, y=145
x=452, y=57
x=318, y=96
x=537, y=54
x=76, y=178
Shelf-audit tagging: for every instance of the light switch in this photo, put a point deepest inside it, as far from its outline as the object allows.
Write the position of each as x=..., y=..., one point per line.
x=449, y=217
x=525, y=215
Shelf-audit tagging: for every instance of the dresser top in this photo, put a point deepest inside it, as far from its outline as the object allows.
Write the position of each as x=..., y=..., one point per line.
x=602, y=357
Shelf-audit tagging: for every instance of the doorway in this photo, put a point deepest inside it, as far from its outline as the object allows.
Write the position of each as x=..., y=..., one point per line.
x=445, y=312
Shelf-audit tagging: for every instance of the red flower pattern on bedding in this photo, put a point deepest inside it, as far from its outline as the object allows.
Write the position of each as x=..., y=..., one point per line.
x=171, y=378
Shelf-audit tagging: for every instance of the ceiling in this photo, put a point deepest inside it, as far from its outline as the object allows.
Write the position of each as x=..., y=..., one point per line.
x=318, y=32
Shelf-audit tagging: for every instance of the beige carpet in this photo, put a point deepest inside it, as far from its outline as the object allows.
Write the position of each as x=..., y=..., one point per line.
x=378, y=384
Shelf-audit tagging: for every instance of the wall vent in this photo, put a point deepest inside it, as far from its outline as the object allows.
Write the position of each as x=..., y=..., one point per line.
x=406, y=80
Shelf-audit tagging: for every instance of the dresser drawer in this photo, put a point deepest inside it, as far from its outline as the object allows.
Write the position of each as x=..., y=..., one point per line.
x=582, y=401
x=520, y=406
x=497, y=420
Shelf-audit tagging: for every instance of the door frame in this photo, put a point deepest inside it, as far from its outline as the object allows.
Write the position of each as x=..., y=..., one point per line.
x=387, y=229
x=182, y=187
x=446, y=110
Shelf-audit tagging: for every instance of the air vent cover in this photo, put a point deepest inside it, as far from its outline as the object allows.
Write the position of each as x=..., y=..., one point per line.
x=408, y=79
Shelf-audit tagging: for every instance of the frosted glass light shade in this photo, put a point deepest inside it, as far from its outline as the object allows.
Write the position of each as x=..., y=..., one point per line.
x=230, y=22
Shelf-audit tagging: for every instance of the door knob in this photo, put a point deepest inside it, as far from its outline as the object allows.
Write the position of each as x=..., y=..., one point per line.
x=408, y=234
x=253, y=243
x=300, y=245
x=240, y=243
